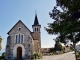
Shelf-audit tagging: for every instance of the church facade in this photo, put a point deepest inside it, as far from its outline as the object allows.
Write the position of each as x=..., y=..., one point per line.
x=21, y=42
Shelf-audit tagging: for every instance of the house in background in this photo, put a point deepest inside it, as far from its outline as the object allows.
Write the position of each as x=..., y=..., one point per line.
x=45, y=50
x=77, y=47
x=67, y=48
x=21, y=42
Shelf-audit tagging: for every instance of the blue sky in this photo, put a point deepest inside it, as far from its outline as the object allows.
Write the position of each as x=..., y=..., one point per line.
x=13, y=10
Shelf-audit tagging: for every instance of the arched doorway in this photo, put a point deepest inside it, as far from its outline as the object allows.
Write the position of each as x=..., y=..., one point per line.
x=19, y=53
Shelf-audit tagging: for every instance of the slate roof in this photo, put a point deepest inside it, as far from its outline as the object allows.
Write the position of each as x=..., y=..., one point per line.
x=36, y=20
x=36, y=23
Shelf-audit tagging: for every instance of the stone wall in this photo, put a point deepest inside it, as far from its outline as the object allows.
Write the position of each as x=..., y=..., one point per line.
x=27, y=39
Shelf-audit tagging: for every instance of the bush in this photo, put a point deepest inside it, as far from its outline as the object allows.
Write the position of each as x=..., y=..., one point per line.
x=51, y=53
x=64, y=51
x=36, y=55
x=77, y=54
x=2, y=57
x=39, y=55
x=32, y=57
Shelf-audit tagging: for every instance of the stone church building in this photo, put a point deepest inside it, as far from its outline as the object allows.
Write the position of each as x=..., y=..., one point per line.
x=21, y=42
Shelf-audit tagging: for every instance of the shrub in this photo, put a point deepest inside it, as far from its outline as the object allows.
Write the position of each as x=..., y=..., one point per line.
x=77, y=54
x=36, y=55
x=61, y=52
x=64, y=51
x=2, y=57
x=39, y=55
x=32, y=57
x=51, y=53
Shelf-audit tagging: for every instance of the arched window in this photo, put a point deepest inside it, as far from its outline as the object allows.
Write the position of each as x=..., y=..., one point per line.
x=16, y=38
x=35, y=29
x=19, y=38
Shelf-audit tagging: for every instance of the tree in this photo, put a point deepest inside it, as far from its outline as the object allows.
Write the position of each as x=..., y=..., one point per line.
x=71, y=47
x=63, y=25
x=52, y=50
x=2, y=56
x=58, y=46
x=0, y=43
x=4, y=53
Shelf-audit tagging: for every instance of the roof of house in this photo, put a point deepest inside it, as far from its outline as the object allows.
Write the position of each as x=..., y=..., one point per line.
x=16, y=24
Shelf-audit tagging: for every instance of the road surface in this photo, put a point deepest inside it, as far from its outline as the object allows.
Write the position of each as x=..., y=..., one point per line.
x=65, y=56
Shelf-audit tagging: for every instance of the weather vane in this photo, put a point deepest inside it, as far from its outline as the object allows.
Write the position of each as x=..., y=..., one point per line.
x=35, y=12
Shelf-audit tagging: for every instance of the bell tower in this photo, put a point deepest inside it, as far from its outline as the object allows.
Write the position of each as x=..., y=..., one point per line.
x=37, y=33
x=36, y=26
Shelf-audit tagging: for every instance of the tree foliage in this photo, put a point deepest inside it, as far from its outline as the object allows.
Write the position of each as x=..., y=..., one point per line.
x=52, y=50
x=63, y=25
x=4, y=53
x=3, y=56
x=58, y=46
x=0, y=42
x=71, y=47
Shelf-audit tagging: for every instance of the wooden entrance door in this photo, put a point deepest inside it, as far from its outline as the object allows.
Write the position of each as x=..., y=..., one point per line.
x=19, y=53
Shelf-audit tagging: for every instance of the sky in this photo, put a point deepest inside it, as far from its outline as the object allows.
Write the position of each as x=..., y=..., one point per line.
x=11, y=11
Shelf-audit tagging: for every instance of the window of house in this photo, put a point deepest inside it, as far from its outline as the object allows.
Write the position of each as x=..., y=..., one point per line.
x=35, y=29
x=16, y=38
x=19, y=38
x=19, y=28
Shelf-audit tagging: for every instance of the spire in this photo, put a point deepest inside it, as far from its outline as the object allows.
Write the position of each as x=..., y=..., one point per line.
x=36, y=19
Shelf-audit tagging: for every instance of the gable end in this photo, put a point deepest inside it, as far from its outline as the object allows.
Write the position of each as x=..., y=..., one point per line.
x=16, y=24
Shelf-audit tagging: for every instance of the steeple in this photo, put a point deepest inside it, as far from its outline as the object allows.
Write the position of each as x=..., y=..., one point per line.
x=36, y=34
x=36, y=26
x=36, y=23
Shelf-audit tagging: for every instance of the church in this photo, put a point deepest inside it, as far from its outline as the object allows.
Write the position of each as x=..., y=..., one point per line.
x=21, y=42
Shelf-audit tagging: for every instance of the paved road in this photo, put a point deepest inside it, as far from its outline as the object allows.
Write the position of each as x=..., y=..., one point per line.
x=66, y=56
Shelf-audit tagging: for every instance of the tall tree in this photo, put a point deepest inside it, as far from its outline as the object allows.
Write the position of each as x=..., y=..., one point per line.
x=63, y=25
x=0, y=43
x=58, y=46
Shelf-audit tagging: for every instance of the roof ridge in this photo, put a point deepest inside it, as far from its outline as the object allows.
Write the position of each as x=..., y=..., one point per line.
x=16, y=24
